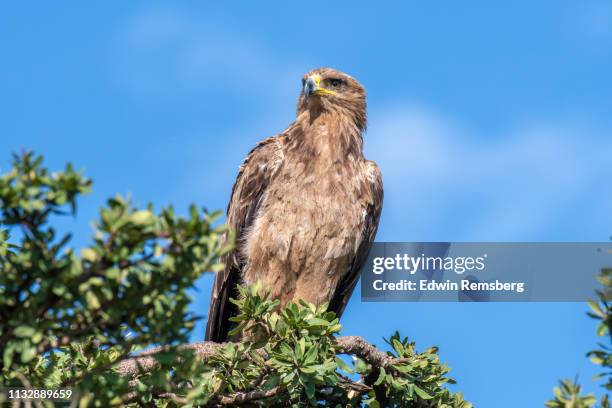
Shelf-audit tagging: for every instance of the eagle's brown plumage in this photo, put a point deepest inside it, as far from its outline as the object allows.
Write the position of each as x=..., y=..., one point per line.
x=305, y=206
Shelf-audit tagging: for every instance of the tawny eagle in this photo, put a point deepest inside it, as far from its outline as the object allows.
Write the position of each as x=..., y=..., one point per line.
x=305, y=205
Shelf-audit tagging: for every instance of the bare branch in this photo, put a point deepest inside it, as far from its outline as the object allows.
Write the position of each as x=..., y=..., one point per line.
x=146, y=362
x=361, y=348
x=241, y=398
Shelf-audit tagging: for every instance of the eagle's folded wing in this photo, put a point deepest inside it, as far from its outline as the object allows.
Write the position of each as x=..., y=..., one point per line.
x=247, y=195
x=373, y=206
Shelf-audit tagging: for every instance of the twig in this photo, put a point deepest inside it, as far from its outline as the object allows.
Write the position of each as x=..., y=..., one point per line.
x=241, y=398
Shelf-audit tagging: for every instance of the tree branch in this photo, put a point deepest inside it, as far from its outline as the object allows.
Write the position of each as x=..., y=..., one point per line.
x=146, y=362
x=241, y=398
x=354, y=345
x=361, y=348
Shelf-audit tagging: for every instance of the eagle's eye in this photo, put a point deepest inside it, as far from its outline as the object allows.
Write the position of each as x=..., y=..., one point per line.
x=335, y=83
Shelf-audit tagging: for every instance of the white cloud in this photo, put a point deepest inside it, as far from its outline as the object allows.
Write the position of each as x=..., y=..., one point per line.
x=444, y=182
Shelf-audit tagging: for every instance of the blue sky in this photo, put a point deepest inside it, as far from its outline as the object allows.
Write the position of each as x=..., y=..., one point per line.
x=490, y=122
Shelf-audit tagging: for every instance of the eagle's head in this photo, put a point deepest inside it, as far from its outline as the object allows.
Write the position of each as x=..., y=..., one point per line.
x=334, y=92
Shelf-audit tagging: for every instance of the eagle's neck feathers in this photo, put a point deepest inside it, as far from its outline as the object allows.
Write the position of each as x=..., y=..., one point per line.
x=330, y=135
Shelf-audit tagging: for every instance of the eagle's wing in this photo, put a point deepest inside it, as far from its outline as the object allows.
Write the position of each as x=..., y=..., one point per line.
x=247, y=195
x=373, y=207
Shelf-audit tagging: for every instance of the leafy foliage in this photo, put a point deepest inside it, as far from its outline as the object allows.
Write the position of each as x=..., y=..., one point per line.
x=112, y=322
x=568, y=394
x=125, y=292
x=601, y=310
x=417, y=376
x=293, y=352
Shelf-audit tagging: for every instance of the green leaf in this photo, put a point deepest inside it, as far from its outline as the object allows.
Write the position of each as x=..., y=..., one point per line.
x=24, y=331
x=315, y=321
x=373, y=403
x=311, y=355
x=142, y=217
x=602, y=329
x=89, y=254
x=310, y=391
x=381, y=376
x=7, y=355
x=92, y=300
x=596, y=309
x=421, y=393
x=27, y=354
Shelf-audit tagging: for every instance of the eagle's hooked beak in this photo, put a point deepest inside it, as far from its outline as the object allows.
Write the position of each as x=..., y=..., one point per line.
x=312, y=86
